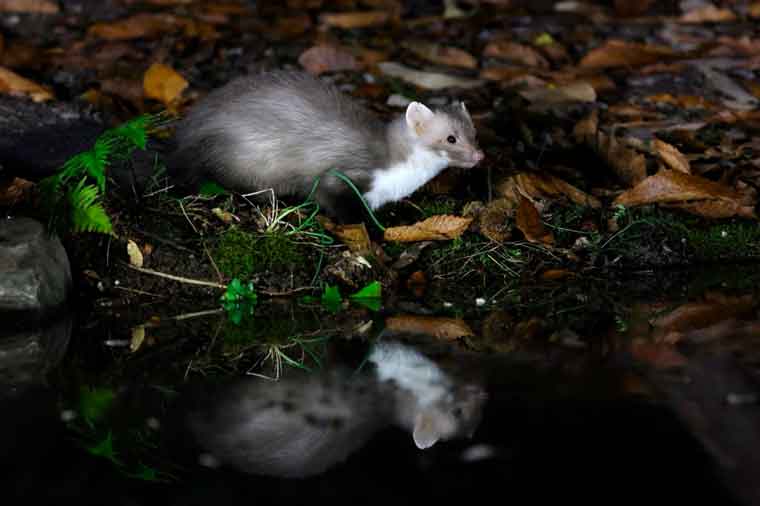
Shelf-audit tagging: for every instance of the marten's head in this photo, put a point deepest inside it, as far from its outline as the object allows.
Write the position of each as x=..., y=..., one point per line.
x=448, y=131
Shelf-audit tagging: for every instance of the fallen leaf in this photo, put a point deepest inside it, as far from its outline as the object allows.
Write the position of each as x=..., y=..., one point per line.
x=326, y=58
x=13, y=84
x=349, y=20
x=14, y=190
x=543, y=186
x=661, y=356
x=518, y=53
x=135, y=255
x=444, y=55
x=671, y=156
x=708, y=14
x=670, y=186
x=291, y=26
x=30, y=6
x=436, y=228
x=754, y=10
x=164, y=84
x=496, y=220
x=697, y=315
x=144, y=25
x=620, y=53
x=354, y=236
x=627, y=163
x=448, y=329
x=528, y=220
x=138, y=336
x=555, y=274
x=580, y=91
x=682, y=101
x=503, y=73
x=417, y=283
x=631, y=8
x=428, y=80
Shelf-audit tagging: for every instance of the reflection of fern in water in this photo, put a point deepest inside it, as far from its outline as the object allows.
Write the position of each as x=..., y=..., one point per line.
x=72, y=201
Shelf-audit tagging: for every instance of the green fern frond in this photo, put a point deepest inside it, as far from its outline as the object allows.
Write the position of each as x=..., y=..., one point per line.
x=134, y=131
x=87, y=214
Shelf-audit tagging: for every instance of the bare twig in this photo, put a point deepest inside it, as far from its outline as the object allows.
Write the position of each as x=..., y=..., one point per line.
x=181, y=279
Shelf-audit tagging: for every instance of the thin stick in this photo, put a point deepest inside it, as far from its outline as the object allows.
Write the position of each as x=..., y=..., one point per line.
x=181, y=279
x=213, y=263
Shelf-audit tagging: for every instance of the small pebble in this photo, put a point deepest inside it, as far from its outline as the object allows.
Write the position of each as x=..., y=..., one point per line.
x=480, y=301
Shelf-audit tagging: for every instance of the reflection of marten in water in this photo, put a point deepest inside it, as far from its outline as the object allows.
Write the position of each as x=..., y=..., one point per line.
x=305, y=423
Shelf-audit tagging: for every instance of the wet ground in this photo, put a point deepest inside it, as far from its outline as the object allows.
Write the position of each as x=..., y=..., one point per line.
x=649, y=397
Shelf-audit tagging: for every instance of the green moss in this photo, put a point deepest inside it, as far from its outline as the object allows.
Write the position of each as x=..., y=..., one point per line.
x=432, y=206
x=731, y=240
x=241, y=254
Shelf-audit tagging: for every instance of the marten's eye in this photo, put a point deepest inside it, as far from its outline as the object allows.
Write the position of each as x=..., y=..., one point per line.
x=451, y=139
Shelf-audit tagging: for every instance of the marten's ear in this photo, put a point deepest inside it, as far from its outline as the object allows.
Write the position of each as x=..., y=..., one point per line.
x=417, y=117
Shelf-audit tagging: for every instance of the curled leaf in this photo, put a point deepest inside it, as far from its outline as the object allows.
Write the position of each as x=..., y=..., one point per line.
x=620, y=53
x=529, y=222
x=163, y=83
x=326, y=58
x=134, y=253
x=440, y=327
x=428, y=80
x=436, y=228
x=444, y=55
x=671, y=156
x=13, y=84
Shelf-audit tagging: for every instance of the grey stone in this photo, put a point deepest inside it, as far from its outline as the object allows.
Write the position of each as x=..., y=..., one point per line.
x=35, y=276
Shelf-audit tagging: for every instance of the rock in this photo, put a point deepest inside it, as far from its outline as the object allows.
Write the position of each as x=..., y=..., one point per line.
x=35, y=276
x=27, y=356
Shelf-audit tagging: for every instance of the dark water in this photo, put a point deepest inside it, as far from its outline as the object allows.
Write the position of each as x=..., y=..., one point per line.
x=568, y=416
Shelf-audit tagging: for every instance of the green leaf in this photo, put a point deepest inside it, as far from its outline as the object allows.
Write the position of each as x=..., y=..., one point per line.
x=105, y=449
x=331, y=298
x=371, y=291
x=88, y=215
x=94, y=402
x=211, y=189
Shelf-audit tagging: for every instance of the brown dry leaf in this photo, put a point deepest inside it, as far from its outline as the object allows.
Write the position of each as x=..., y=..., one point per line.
x=355, y=236
x=620, y=53
x=716, y=209
x=517, y=53
x=31, y=6
x=436, y=228
x=671, y=156
x=291, y=26
x=349, y=20
x=144, y=25
x=555, y=274
x=697, y=315
x=13, y=84
x=630, y=8
x=503, y=73
x=661, y=356
x=542, y=186
x=682, y=101
x=708, y=14
x=670, y=186
x=14, y=190
x=444, y=55
x=326, y=58
x=628, y=164
x=754, y=10
x=429, y=80
x=528, y=220
x=580, y=91
x=164, y=84
x=448, y=329
x=496, y=220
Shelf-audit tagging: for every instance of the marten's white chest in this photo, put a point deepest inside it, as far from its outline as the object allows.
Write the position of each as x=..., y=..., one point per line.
x=402, y=179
